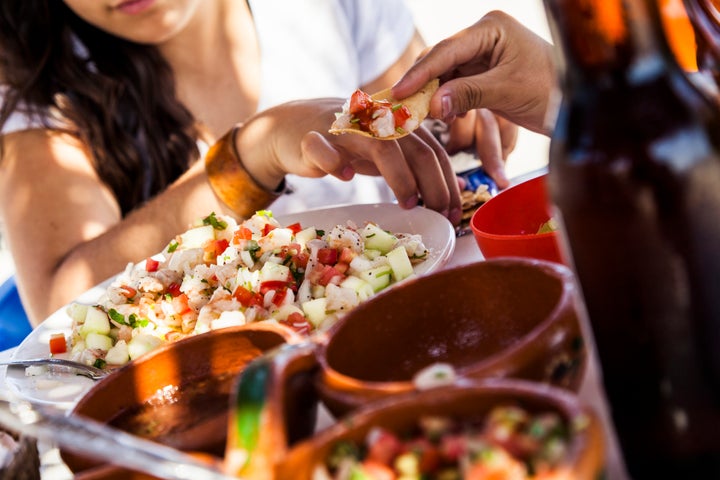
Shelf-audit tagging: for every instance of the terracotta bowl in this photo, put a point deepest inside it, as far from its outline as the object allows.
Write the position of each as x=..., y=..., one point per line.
x=511, y=317
x=178, y=395
x=462, y=401
x=508, y=223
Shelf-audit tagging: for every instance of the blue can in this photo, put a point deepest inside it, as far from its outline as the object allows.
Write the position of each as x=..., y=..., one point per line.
x=475, y=177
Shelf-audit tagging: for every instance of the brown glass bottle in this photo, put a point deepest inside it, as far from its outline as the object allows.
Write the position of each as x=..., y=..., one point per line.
x=704, y=17
x=635, y=175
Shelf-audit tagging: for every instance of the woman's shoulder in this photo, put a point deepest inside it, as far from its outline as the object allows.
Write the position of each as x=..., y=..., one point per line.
x=21, y=118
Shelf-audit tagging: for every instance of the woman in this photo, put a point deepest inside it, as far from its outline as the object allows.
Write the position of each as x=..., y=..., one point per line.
x=106, y=103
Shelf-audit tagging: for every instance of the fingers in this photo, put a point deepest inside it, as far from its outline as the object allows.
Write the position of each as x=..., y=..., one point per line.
x=489, y=147
x=323, y=158
x=443, y=59
x=441, y=194
x=462, y=133
x=508, y=135
x=414, y=167
x=497, y=63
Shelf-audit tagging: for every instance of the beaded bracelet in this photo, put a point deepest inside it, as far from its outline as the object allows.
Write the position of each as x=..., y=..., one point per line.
x=231, y=183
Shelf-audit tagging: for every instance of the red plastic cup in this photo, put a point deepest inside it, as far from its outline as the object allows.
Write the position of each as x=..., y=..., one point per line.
x=508, y=223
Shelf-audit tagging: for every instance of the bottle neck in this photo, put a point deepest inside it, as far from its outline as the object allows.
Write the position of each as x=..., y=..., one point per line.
x=609, y=41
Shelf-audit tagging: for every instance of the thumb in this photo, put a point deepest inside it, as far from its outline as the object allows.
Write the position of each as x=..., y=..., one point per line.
x=457, y=97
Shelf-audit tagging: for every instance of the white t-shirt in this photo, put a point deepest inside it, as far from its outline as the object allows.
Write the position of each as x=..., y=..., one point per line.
x=319, y=48
x=346, y=43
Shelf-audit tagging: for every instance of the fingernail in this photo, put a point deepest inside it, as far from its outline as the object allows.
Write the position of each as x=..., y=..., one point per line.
x=348, y=173
x=446, y=105
x=411, y=202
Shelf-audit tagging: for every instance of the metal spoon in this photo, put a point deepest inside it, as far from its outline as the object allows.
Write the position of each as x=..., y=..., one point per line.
x=87, y=437
x=80, y=368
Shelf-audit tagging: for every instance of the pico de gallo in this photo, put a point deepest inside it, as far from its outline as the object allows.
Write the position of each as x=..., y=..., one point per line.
x=509, y=443
x=380, y=118
x=222, y=273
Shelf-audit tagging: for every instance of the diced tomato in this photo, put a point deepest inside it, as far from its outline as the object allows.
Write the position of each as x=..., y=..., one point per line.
x=452, y=447
x=295, y=227
x=128, y=291
x=242, y=233
x=279, y=297
x=359, y=102
x=300, y=260
x=327, y=256
x=341, y=267
x=268, y=228
x=58, y=344
x=151, y=265
x=346, y=255
x=247, y=298
x=213, y=248
x=174, y=289
x=328, y=273
x=385, y=446
x=427, y=453
x=401, y=114
x=180, y=304
x=272, y=285
x=298, y=323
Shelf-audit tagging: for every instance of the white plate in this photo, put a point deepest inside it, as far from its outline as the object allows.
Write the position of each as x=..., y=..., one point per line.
x=64, y=389
x=59, y=389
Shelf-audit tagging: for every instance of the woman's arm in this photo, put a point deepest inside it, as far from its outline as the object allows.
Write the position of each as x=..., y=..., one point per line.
x=63, y=224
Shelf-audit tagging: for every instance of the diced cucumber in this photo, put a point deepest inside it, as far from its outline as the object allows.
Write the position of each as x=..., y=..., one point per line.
x=228, y=319
x=77, y=312
x=372, y=253
x=278, y=237
x=119, y=354
x=96, y=321
x=363, y=289
x=315, y=310
x=376, y=238
x=400, y=263
x=274, y=272
x=141, y=344
x=98, y=341
x=284, y=311
x=377, y=277
x=197, y=237
x=304, y=236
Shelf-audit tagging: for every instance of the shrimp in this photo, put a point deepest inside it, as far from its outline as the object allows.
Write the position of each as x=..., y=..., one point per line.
x=341, y=237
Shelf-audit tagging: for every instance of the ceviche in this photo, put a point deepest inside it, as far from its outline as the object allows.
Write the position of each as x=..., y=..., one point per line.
x=381, y=116
x=221, y=273
x=510, y=443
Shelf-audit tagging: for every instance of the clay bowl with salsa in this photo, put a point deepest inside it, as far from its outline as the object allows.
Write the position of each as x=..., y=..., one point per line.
x=178, y=395
x=488, y=427
x=518, y=221
x=506, y=317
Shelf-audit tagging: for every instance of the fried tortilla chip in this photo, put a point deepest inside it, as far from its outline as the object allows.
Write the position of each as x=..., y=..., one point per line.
x=383, y=117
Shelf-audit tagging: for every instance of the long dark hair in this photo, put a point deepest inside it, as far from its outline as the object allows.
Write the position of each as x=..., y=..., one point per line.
x=118, y=96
